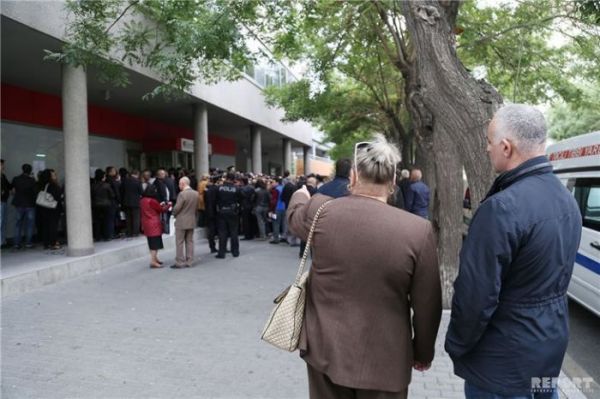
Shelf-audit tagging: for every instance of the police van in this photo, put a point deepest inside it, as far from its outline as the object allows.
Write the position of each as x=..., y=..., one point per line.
x=576, y=163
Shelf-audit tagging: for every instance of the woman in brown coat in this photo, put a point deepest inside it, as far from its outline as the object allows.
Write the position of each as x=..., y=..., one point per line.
x=372, y=264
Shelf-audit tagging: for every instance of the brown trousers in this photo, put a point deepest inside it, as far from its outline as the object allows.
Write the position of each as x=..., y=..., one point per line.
x=321, y=387
x=184, y=242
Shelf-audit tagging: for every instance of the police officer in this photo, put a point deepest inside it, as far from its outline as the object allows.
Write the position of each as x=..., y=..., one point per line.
x=210, y=202
x=228, y=221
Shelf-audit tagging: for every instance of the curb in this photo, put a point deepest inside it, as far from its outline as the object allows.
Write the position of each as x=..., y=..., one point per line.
x=72, y=267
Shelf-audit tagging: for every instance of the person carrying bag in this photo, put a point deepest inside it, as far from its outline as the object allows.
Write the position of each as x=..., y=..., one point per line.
x=283, y=327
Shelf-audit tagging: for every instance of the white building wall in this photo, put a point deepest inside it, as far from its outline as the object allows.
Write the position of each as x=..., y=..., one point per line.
x=242, y=97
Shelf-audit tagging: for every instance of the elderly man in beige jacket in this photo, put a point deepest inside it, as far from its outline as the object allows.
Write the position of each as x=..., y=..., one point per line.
x=185, y=221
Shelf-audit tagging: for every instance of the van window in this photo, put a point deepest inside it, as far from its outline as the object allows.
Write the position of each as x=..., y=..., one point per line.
x=587, y=194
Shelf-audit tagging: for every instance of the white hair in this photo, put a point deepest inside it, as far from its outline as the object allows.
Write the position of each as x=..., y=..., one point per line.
x=185, y=180
x=524, y=124
x=377, y=161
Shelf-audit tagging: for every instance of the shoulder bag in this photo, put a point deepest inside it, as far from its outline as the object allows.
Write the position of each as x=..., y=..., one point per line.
x=46, y=200
x=285, y=322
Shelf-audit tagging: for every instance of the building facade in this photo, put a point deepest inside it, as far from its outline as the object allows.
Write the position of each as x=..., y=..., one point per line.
x=61, y=117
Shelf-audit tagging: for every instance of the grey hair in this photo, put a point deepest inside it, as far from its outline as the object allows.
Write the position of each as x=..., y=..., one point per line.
x=523, y=123
x=405, y=173
x=377, y=162
x=186, y=180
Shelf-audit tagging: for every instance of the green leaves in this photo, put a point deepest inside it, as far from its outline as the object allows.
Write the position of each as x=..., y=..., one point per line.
x=182, y=41
x=532, y=51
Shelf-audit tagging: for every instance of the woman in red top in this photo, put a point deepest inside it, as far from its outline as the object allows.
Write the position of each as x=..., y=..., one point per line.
x=150, y=210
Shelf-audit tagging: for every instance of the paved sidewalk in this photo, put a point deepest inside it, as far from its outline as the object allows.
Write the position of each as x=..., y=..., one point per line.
x=132, y=332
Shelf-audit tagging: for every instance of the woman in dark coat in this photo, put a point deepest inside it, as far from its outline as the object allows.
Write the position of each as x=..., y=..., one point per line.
x=49, y=217
x=102, y=200
x=151, y=210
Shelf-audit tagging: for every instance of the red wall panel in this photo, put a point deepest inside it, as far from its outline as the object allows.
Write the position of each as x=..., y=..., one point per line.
x=26, y=106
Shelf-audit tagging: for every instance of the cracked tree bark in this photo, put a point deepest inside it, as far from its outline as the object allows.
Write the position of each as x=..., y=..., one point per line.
x=460, y=105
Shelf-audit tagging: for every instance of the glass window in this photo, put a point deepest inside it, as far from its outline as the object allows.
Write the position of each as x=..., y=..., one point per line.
x=587, y=194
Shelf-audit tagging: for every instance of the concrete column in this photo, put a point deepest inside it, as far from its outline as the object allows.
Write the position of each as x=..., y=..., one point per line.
x=77, y=162
x=306, y=156
x=200, y=139
x=287, y=155
x=255, y=137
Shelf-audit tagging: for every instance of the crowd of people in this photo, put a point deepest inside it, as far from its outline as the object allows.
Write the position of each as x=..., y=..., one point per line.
x=229, y=204
x=373, y=302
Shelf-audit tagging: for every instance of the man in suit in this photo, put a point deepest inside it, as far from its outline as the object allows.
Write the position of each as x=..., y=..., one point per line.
x=185, y=221
x=131, y=193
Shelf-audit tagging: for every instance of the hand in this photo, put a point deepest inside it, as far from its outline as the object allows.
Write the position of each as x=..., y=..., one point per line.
x=421, y=366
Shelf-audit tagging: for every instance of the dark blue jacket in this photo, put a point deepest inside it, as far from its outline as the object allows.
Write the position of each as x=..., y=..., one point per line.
x=419, y=203
x=336, y=188
x=510, y=318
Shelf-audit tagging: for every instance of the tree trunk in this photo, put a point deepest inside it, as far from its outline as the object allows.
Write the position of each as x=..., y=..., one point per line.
x=447, y=211
x=459, y=104
x=426, y=160
x=407, y=156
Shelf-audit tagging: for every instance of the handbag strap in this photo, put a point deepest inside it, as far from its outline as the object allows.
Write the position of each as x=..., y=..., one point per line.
x=308, y=242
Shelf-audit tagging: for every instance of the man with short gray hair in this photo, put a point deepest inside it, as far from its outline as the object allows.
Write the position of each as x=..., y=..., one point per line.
x=509, y=323
x=185, y=221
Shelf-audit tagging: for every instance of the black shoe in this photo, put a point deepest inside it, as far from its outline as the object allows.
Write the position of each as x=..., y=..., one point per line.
x=274, y=242
x=220, y=256
x=236, y=255
x=213, y=251
x=177, y=267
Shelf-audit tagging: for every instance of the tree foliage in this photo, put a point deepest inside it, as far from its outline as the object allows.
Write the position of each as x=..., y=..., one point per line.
x=355, y=90
x=181, y=41
x=532, y=51
x=568, y=120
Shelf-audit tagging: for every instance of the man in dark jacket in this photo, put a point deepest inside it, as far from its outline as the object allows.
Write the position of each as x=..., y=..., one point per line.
x=228, y=204
x=248, y=199
x=418, y=203
x=210, y=201
x=166, y=193
x=24, y=189
x=338, y=187
x=3, y=208
x=509, y=329
x=131, y=193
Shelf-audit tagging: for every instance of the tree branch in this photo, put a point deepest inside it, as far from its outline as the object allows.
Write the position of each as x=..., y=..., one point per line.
x=524, y=25
x=401, y=56
x=131, y=4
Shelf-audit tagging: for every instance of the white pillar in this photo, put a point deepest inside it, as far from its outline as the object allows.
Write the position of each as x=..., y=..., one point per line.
x=77, y=162
x=306, y=158
x=287, y=155
x=255, y=137
x=200, y=139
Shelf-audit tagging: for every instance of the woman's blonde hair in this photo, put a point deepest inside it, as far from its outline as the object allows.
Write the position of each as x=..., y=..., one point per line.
x=376, y=161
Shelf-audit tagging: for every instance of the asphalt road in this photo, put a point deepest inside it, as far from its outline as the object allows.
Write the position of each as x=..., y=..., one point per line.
x=583, y=354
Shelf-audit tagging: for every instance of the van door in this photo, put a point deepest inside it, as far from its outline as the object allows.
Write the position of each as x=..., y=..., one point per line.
x=585, y=284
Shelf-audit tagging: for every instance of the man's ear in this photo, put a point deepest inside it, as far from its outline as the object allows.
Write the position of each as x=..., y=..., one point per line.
x=507, y=148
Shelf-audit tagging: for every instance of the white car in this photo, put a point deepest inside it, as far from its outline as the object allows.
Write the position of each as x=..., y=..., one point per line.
x=576, y=163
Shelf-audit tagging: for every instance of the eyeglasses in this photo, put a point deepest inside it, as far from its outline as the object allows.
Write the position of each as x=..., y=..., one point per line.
x=362, y=144
x=365, y=144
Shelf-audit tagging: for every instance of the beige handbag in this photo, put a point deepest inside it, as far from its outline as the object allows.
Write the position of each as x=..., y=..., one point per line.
x=285, y=322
